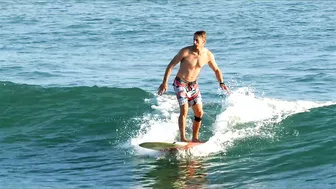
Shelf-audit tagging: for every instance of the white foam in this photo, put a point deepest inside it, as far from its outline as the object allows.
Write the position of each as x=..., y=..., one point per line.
x=159, y=126
x=243, y=115
x=242, y=107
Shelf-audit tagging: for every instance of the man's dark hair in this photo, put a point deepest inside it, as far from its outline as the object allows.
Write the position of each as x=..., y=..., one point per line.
x=201, y=33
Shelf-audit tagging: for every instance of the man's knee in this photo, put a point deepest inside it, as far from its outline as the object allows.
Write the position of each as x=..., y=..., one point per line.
x=183, y=116
x=198, y=113
x=184, y=110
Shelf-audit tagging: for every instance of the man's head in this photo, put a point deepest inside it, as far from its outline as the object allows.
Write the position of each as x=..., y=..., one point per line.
x=199, y=38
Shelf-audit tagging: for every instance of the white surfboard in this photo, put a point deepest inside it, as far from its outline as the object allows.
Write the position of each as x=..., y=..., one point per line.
x=163, y=146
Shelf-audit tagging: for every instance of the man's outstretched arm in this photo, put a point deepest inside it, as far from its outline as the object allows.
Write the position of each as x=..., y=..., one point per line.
x=213, y=65
x=177, y=58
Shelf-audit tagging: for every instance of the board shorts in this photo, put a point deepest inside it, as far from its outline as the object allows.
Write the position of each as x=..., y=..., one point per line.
x=187, y=92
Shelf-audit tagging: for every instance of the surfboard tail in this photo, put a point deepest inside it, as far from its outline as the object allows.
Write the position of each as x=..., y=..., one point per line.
x=169, y=146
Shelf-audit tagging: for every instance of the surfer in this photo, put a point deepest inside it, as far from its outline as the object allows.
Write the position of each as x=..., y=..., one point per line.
x=191, y=59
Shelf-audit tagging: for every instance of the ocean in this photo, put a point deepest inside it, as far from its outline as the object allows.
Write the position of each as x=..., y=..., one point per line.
x=78, y=94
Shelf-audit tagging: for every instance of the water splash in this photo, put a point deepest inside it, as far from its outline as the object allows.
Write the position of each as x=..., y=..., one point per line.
x=158, y=126
x=246, y=115
x=243, y=115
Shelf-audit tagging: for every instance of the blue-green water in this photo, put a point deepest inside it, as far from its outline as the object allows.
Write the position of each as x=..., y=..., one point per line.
x=78, y=83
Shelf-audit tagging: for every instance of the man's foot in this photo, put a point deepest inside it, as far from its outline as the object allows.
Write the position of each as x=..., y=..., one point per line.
x=196, y=140
x=184, y=140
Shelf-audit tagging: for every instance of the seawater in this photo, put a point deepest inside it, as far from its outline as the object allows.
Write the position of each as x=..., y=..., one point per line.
x=78, y=84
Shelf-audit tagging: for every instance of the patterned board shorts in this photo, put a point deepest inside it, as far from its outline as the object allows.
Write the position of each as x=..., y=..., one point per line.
x=187, y=92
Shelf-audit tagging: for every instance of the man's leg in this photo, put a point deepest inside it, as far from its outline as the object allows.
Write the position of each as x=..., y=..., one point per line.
x=198, y=113
x=182, y=121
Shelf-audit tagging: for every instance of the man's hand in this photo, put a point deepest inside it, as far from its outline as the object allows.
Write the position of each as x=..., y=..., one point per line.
x=224, y=87
x=163, y=88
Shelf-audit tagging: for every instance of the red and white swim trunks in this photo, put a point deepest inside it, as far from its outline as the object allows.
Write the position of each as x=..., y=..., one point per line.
x=187, y=92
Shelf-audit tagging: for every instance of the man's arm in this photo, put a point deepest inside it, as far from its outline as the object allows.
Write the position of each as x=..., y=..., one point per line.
x=177, y=58
x=213, y=65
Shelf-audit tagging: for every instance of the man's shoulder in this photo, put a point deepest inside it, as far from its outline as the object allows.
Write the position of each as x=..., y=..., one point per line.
x=187, y=48
x=209, y=52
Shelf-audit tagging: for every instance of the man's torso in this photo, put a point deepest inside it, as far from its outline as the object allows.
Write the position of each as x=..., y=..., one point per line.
x=192, y=63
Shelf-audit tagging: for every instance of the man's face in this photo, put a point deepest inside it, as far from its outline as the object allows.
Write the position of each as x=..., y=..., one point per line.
x=198, y=41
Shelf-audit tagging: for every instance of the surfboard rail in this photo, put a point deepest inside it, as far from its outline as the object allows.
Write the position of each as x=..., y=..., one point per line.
x=167, y=146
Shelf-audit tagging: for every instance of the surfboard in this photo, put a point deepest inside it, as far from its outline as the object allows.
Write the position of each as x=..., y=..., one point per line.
x=166, y=146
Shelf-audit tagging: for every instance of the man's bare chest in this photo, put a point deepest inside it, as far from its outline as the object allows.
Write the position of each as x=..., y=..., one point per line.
x=194, y=60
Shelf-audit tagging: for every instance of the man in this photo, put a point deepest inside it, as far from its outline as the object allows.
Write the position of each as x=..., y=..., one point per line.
x=191, y=59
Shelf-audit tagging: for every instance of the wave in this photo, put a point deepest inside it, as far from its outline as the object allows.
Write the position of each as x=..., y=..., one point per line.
x=32, y=110
x=242, y=116
x=126, y=117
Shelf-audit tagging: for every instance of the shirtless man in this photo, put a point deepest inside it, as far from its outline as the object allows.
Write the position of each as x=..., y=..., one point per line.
x=192, y=59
